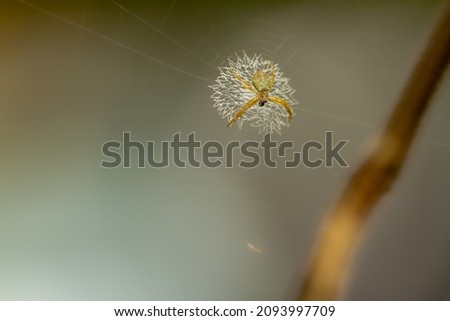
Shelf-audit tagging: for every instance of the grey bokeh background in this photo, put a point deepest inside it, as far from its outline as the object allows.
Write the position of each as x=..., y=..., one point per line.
x=75, y=75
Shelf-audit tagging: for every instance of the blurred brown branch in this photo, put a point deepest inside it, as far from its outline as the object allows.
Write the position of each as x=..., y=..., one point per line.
x=377, y=173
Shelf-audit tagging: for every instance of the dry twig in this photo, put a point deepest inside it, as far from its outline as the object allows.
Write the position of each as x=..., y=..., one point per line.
x=377, y=173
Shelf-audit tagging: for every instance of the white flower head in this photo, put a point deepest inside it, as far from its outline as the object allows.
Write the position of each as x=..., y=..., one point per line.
x=231, y=94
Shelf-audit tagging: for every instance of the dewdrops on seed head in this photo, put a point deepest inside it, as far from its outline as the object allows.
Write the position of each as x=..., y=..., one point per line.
x=254, y=90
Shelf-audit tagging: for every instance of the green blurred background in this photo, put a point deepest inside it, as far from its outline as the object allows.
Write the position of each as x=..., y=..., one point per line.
x=76, y=74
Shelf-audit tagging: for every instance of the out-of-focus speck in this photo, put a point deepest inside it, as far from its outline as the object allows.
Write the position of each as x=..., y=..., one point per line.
x=254, y=248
